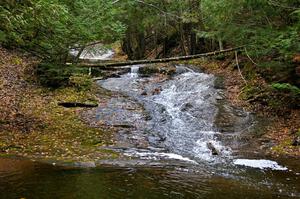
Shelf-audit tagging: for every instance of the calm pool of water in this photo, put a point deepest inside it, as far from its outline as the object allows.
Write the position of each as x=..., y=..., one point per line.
x=27, y=179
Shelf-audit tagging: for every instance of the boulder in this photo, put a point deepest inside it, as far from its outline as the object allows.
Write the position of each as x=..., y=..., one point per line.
x=213, y=149
x=152, y=69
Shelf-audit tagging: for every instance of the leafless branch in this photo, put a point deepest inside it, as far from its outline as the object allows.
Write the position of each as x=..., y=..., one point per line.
x=238, y=66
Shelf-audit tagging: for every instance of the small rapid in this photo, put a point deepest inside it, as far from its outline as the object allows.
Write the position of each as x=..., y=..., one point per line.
x=180, y=121
x=92, y=53
x=182, y=111
x=183, y=115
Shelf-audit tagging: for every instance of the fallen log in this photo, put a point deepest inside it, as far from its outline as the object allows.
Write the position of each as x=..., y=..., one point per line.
x=151, y=61
x=77, y=104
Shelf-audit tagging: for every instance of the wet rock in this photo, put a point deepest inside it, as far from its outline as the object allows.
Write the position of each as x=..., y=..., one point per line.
x=85, y=164
x=126, y=126
x=186, y=107
x=169, y=71
x=144, y=93
x=147, y=117
x=181, y=70
x=211, y=147
x=156, y=91
x=150, y=70
x=231, y=119
x=162, y=109
x=115, y=76
x=219, y=97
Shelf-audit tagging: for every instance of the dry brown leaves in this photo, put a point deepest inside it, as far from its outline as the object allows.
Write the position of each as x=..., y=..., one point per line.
x=14, y=89
x=33, y=125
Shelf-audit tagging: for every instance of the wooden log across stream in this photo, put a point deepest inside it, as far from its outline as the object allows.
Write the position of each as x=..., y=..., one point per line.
x=151, y=61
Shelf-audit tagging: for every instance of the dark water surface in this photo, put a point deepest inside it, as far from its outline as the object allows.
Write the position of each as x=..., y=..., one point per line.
x=26, y=179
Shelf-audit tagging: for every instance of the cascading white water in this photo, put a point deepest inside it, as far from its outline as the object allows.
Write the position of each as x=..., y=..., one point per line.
x=189, y=103
x=94, y=53
x=183, y=111
x=134, y=71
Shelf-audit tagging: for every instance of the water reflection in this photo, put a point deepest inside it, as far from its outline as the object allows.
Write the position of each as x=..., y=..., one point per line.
x=21, y=178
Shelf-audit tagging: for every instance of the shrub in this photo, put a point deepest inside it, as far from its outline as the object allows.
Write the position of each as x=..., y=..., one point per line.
x=288, y=88
x=55, y=75
x=80, y=81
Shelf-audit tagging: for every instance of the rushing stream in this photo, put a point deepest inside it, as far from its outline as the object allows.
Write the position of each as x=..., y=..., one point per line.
x=182, y=115
x=179, y=120
x=179, y=139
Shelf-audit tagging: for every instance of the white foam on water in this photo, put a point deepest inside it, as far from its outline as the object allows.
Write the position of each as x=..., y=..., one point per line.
x=157, y=156
x=202, y=150
x=97, y=55
x=134, y=71
x=260, y=164
x=94, y=53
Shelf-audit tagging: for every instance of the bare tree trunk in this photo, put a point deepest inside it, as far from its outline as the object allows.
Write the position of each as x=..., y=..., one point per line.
x=193, y=42
x=155, y=43
x=220, y=44
x=76, y=59
x=141, y=45
x=126, y=47
x=182, y=43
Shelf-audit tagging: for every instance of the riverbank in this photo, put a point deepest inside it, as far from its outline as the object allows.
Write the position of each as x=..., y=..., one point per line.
x=32, y=123
x=283, y=126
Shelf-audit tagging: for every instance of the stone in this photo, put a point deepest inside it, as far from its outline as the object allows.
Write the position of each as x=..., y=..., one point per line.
x=144, y=93
x=86, y=164
x=156, y=91
x=214, y=151
x=186, y=107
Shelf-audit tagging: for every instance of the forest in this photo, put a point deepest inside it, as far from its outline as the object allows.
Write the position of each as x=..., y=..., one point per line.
x=268, y=29
x=240, y=58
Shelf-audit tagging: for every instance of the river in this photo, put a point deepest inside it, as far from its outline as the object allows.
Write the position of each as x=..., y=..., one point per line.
x=180, y=138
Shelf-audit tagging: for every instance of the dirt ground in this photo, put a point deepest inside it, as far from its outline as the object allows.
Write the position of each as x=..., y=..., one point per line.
x=34, y=126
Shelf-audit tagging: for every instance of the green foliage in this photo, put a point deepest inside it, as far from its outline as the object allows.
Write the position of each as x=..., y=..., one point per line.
x=53, y=75
x=285, y=95
x=277, y=97
x=58, y=75
x=51, y=27
x=269, y=28
x=285, y=87
x=80, y=81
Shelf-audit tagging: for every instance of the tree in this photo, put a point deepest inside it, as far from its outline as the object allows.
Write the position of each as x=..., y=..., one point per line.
x=51, y=27
x=269, y=27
